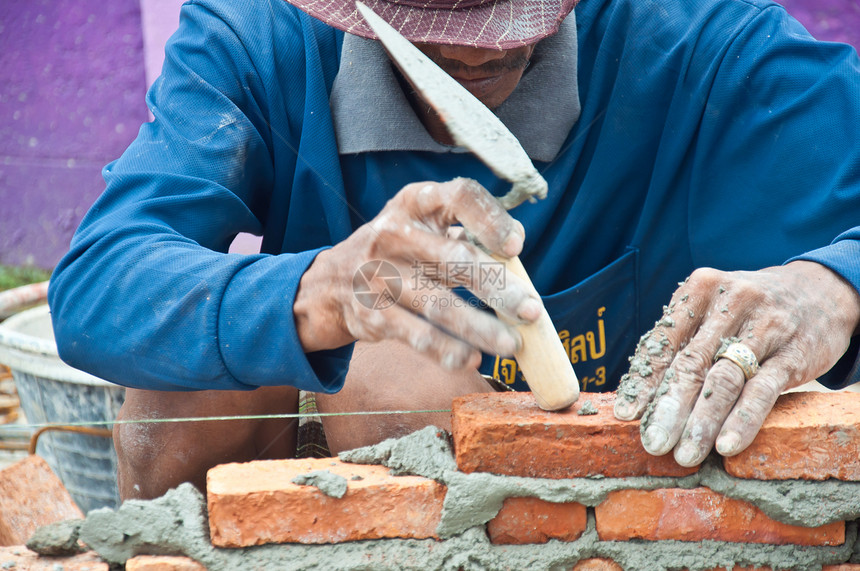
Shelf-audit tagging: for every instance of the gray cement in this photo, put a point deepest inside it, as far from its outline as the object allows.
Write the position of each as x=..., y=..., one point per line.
x=426, y=452
x=798, y=502
x=59, y=538
x=330, y=484
x=587, y=408
x=177, y=524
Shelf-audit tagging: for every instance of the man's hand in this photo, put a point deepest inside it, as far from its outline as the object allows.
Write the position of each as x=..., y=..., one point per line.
x=412, y=235
x=797, y=319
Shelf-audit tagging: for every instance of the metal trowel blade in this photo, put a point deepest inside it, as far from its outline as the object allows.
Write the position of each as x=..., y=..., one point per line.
x=472, y=125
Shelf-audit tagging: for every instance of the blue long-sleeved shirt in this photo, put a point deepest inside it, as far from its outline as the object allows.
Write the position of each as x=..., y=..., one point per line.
x=712, y=133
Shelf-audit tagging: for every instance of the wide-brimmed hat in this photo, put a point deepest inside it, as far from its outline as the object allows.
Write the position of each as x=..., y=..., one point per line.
x=494, y=24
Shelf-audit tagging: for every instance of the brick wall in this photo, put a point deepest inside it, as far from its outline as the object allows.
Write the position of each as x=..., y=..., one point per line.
x=517, y=488
x=570, y=491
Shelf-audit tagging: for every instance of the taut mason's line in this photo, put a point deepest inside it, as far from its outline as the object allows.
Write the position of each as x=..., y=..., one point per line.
x=208, y=418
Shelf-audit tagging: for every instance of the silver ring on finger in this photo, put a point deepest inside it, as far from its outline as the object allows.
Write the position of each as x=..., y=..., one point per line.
x=740, y=355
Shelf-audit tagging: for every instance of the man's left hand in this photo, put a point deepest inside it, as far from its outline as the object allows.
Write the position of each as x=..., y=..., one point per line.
x=796, y=319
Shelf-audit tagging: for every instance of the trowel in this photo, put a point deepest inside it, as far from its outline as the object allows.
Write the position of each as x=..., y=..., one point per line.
x=472, y=125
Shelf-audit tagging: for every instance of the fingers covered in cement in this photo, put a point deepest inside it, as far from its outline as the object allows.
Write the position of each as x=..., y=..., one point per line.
x=463, y=201
x=748, y=413
x=797, y=320
x=657, y=349
x=392, y=278
x=696, y=393
x=434, y=263
x=700, y=405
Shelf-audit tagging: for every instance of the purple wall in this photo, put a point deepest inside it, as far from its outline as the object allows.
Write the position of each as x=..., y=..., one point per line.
x=74, y=74
x=71, y=99
x=830, y=20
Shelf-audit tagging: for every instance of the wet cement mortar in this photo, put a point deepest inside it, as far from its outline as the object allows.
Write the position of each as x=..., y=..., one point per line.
x=330, y=484
x=57, y=539
x=176, y=524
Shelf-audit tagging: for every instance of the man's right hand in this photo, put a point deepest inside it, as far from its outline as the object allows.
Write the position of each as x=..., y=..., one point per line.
x=414, y=234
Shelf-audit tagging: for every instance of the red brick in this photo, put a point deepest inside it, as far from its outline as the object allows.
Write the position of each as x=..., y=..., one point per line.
x=507, y=433
x=162, y=563
x=597, y=565
x=31, y=496
x=256, y=503
x=699, y=514
x=841, y=567
x=24, y=559
x=532, y=520
x=808, y=435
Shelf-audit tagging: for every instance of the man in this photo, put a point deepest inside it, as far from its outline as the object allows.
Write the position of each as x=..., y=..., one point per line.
x=673, y=136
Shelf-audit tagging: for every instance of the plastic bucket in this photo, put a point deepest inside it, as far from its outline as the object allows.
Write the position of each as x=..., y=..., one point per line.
x=51, y=391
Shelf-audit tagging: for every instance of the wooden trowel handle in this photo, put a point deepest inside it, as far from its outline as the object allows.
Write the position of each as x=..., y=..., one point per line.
x=542, y=359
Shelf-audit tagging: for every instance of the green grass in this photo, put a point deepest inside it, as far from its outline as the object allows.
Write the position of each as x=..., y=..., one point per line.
x=14, y=276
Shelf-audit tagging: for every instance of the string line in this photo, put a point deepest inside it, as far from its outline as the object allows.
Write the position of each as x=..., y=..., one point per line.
x=209, y=418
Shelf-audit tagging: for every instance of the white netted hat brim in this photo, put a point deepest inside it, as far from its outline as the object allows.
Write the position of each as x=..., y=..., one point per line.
x=499, y=24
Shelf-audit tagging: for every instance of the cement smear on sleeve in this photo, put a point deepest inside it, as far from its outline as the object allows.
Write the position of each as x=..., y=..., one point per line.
x=176, y=524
